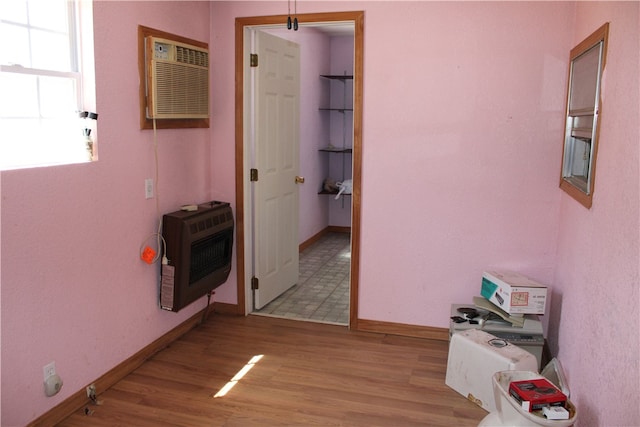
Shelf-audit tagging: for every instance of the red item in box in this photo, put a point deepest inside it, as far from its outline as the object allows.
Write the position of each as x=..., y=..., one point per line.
x=536, y=394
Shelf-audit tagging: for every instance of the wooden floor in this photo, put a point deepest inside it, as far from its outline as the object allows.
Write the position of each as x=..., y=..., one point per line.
x=309, y=374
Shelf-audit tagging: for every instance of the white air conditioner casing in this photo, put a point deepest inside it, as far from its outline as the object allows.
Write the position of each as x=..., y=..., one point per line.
x=177, y=80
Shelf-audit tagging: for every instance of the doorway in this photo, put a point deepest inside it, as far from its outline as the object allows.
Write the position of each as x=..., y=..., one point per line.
x=244, y=233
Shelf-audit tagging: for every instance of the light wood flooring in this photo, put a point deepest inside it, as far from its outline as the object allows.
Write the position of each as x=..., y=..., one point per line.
x=310, y=374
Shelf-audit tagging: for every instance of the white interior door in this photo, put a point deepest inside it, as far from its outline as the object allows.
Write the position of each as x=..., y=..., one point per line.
x=277, y=89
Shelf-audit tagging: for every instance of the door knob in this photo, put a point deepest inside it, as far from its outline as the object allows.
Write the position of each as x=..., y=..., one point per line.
x=299, y=179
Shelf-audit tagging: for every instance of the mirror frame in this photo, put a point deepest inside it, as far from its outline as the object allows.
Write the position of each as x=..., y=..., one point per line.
x=581, y=186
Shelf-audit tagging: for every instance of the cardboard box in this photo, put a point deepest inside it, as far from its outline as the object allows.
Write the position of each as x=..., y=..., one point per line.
x=535, y=394
x=513, y=292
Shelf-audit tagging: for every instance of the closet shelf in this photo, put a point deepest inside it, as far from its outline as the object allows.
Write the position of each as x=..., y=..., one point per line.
x=341, y=110
x=336, y=150
x=332, y=193
x=343, y=148
x=336, y=77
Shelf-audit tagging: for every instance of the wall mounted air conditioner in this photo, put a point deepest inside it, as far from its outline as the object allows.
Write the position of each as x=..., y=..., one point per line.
x=177, y=80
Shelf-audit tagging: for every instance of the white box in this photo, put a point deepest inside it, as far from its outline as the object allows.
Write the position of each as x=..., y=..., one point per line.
x=474, y=356
x=513, y=292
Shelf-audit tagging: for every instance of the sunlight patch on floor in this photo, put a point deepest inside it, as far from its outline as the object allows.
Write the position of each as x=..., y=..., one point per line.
x=237, y=377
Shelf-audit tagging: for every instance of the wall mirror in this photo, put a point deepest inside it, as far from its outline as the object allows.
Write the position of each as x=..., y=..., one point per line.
x=583, y=111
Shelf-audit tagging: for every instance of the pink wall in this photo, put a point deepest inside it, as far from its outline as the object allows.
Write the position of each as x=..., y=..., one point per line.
x=460, y=151
x=462, y=128
x=342, y=51
x=462, y=117
x=74, y=290
x=596, y=317
x=314, y=59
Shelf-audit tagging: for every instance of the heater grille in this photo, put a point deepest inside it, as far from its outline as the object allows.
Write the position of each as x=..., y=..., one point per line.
x=210, y=222
x=208, y=255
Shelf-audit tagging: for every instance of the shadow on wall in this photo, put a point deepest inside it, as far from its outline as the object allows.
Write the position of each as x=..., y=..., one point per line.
x=555, y=317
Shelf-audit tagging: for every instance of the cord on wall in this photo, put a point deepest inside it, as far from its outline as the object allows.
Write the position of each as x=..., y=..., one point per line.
x=148, y=254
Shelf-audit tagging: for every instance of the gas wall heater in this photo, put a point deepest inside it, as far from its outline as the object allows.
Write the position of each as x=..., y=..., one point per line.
x=198, y=248
x=177, y=80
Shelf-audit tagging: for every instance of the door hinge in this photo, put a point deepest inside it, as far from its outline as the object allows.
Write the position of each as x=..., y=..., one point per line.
x=255, y=283
x=253, y=175
x=253, y=59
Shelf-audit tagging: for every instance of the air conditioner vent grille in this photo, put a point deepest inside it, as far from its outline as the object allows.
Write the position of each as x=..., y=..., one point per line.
x=192, y=56
x=177, y=80
x=181, y=89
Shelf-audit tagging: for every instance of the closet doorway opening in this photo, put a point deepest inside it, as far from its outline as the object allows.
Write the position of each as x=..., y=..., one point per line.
x=329, y=250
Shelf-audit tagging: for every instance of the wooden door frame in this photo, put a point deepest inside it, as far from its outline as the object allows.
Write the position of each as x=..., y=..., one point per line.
x=357, y=18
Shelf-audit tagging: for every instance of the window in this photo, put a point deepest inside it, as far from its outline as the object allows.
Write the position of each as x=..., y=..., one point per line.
x=44, y=81
x=586, y=66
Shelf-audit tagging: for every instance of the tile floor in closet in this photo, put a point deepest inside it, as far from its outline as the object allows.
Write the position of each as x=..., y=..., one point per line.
x=322, y=293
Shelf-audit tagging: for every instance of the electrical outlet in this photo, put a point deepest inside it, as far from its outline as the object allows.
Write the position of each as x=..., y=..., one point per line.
x=148, y=188
x=91, y=391
x=49, y=370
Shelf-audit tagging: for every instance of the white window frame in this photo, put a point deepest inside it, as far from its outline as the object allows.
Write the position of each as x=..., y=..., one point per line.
x=64, y=137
